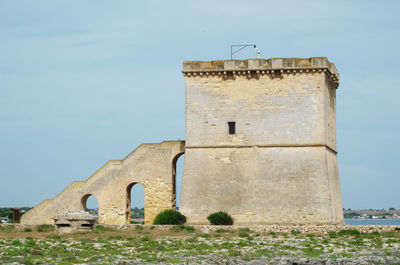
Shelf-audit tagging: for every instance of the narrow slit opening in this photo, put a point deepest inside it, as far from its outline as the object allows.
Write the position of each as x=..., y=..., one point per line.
x=232, y=125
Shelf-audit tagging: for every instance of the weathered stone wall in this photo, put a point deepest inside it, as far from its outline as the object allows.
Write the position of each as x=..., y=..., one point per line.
x=280, y=166
x=150, y=165
x=260, y=185
x=330, y=113
x=267, y=111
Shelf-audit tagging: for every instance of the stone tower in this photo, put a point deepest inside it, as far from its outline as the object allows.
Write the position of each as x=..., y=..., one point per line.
x=261, y=141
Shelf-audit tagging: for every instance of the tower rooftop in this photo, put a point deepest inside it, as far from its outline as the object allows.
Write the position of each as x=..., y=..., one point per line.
x=262, y=66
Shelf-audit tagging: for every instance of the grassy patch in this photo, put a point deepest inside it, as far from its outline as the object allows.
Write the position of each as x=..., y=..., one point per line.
x=332, y=234
x=102, y=229
x=45, y=228
x=178, y=228
x=189, y=229
x=7, y=228
x=245, y=229
x=348, y=232
x=295, y=232
x=312, y=252
x=17, y=243
x=138, y=227
x=234, y=252
x=243, y=234
x=192, y=239
x=175, y=261
x=347, y=255
x=184, y=244
x=205, y=235
x=388, y=233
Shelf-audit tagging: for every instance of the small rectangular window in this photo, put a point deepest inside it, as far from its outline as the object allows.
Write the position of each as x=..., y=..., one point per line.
x=231, y=125
x=63, y=225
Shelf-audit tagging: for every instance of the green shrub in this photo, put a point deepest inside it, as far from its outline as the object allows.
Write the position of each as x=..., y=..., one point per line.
x=169, y=217
x=27, y=229
x=220, y=218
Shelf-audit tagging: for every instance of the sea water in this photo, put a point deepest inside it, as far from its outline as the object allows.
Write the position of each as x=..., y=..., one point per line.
x=372, y=221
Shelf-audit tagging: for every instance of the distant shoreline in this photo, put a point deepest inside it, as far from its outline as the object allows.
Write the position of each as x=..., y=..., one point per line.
x=372, y=222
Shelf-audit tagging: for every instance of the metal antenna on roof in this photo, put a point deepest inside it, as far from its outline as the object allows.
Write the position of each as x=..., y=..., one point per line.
x=238, y=47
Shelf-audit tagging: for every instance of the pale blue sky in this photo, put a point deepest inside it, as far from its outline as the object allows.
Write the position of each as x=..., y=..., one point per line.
x=83, y=82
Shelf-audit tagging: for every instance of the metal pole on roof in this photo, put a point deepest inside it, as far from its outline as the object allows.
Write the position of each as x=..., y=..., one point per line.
x=241, y=47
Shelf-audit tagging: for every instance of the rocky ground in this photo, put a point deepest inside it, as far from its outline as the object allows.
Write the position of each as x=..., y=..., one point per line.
x=190, y=245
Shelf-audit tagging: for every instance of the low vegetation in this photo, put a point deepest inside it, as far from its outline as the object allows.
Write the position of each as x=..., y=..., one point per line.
x=187, y=244
x=220, y=218
x=169, y=217
x=45, y=228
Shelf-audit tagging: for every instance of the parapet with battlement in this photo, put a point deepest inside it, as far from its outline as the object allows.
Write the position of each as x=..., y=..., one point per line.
x=255, y=67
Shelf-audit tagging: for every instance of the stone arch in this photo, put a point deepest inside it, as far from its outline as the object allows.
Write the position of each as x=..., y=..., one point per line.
x=149, y=164
x=174, y=181
x=129, y=200
x=84, y=200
